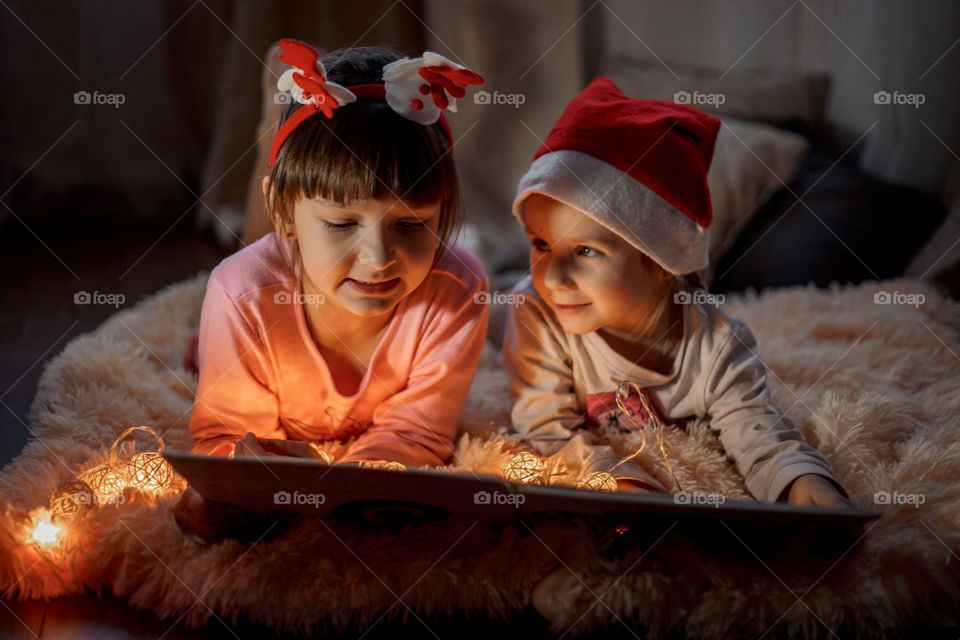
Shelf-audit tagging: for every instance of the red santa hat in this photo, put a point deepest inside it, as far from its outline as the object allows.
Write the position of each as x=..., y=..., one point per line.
x=638, y=167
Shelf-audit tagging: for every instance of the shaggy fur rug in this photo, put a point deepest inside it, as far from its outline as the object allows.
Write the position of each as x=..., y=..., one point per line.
x=875, y=386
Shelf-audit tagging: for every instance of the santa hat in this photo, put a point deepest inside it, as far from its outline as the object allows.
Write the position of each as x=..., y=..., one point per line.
x=638, y=167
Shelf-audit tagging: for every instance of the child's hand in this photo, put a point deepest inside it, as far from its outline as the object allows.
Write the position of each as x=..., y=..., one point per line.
x=210, y=520
x=628, y=485
x=814, y=490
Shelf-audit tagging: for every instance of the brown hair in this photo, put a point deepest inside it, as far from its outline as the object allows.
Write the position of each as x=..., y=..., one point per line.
x=366, y=150
x=666, y=281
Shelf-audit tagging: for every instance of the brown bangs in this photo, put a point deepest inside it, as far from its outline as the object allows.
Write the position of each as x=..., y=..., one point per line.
x=367, y=151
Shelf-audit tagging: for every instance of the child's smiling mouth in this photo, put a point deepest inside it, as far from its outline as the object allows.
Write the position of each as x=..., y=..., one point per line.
x=570, y=308
x=373, y=287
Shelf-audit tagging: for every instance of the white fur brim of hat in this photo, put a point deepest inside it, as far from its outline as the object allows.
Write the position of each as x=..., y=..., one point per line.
x=622, y=204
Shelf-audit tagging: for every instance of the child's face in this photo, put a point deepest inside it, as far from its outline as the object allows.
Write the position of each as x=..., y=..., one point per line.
x=366, y=255
x=587, y=274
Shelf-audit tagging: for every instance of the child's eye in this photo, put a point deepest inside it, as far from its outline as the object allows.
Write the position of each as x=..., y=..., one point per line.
x=411, y=225
x=539, y=245
x=588, y=252
x=338, y=226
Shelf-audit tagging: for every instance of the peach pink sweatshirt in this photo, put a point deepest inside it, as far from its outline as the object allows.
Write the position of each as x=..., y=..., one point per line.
x=261, y=372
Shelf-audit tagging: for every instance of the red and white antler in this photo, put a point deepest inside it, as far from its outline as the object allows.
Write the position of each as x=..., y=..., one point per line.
x=420, y=88
x=307, y=81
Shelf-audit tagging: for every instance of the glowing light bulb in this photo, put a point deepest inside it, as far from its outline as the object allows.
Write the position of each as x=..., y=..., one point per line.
x=149, y=471
x=383, y=465
x=598, y=481
x=71, y=501
x=524, y=468
x=107, y=481
x=46, y=533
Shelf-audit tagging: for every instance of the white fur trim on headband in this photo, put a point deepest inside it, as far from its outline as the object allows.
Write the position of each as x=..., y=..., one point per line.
x=622, y=204
x=286, y=83
x=402, y=82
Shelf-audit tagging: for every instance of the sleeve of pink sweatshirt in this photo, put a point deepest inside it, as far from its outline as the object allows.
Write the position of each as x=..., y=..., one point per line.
x=235, y=391
x=417, y=425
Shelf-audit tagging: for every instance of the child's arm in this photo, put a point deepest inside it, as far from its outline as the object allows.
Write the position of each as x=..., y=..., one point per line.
x=417, y=426
x=768, y=451
x=234, y=394
x=545, y=408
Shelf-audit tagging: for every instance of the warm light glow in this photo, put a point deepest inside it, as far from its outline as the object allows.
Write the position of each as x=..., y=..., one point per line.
x=71, y=500
x=321, y=454
x=112, y=484
x=149, y=471
x=598, y=481
x=524, y=468
x=107, y=481
x=382, y=465
x=46, y=533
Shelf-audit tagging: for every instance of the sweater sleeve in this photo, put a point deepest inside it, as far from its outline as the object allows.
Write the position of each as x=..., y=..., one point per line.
x=235, y=392
x=417, y=425
x=545, y=408
x=768, y=451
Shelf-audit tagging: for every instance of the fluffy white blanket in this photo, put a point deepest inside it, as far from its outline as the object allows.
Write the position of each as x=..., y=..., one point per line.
x=875, y=386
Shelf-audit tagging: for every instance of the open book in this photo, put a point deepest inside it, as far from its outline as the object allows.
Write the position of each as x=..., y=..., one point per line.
x=313, y=488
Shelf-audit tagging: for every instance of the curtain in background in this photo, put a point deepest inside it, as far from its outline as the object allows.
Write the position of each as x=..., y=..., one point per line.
x=190, y=74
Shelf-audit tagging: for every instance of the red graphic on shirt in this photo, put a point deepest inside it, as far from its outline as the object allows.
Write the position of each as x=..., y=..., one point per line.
x=602, y=411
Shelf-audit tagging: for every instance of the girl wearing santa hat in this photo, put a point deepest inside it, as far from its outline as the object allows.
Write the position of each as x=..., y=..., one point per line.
x=610, y=332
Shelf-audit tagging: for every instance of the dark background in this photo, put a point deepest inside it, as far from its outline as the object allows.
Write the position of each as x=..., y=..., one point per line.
x=125, y=200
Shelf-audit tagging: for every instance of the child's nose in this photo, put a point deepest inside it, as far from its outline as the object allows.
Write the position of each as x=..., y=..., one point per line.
x=557, y=274
x=375, y=251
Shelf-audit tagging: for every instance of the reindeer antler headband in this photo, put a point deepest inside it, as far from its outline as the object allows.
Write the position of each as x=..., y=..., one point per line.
x=418, y=89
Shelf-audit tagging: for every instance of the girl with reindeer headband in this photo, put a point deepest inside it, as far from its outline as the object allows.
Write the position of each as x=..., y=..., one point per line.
x=356, y=318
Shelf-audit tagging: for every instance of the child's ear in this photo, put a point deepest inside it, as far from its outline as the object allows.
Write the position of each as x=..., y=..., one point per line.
x=265, y=188
x=279, y=225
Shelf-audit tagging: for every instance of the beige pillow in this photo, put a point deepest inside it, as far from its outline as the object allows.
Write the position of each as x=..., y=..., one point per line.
x=773, y=97
x=751, y=162
x=939, y=259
